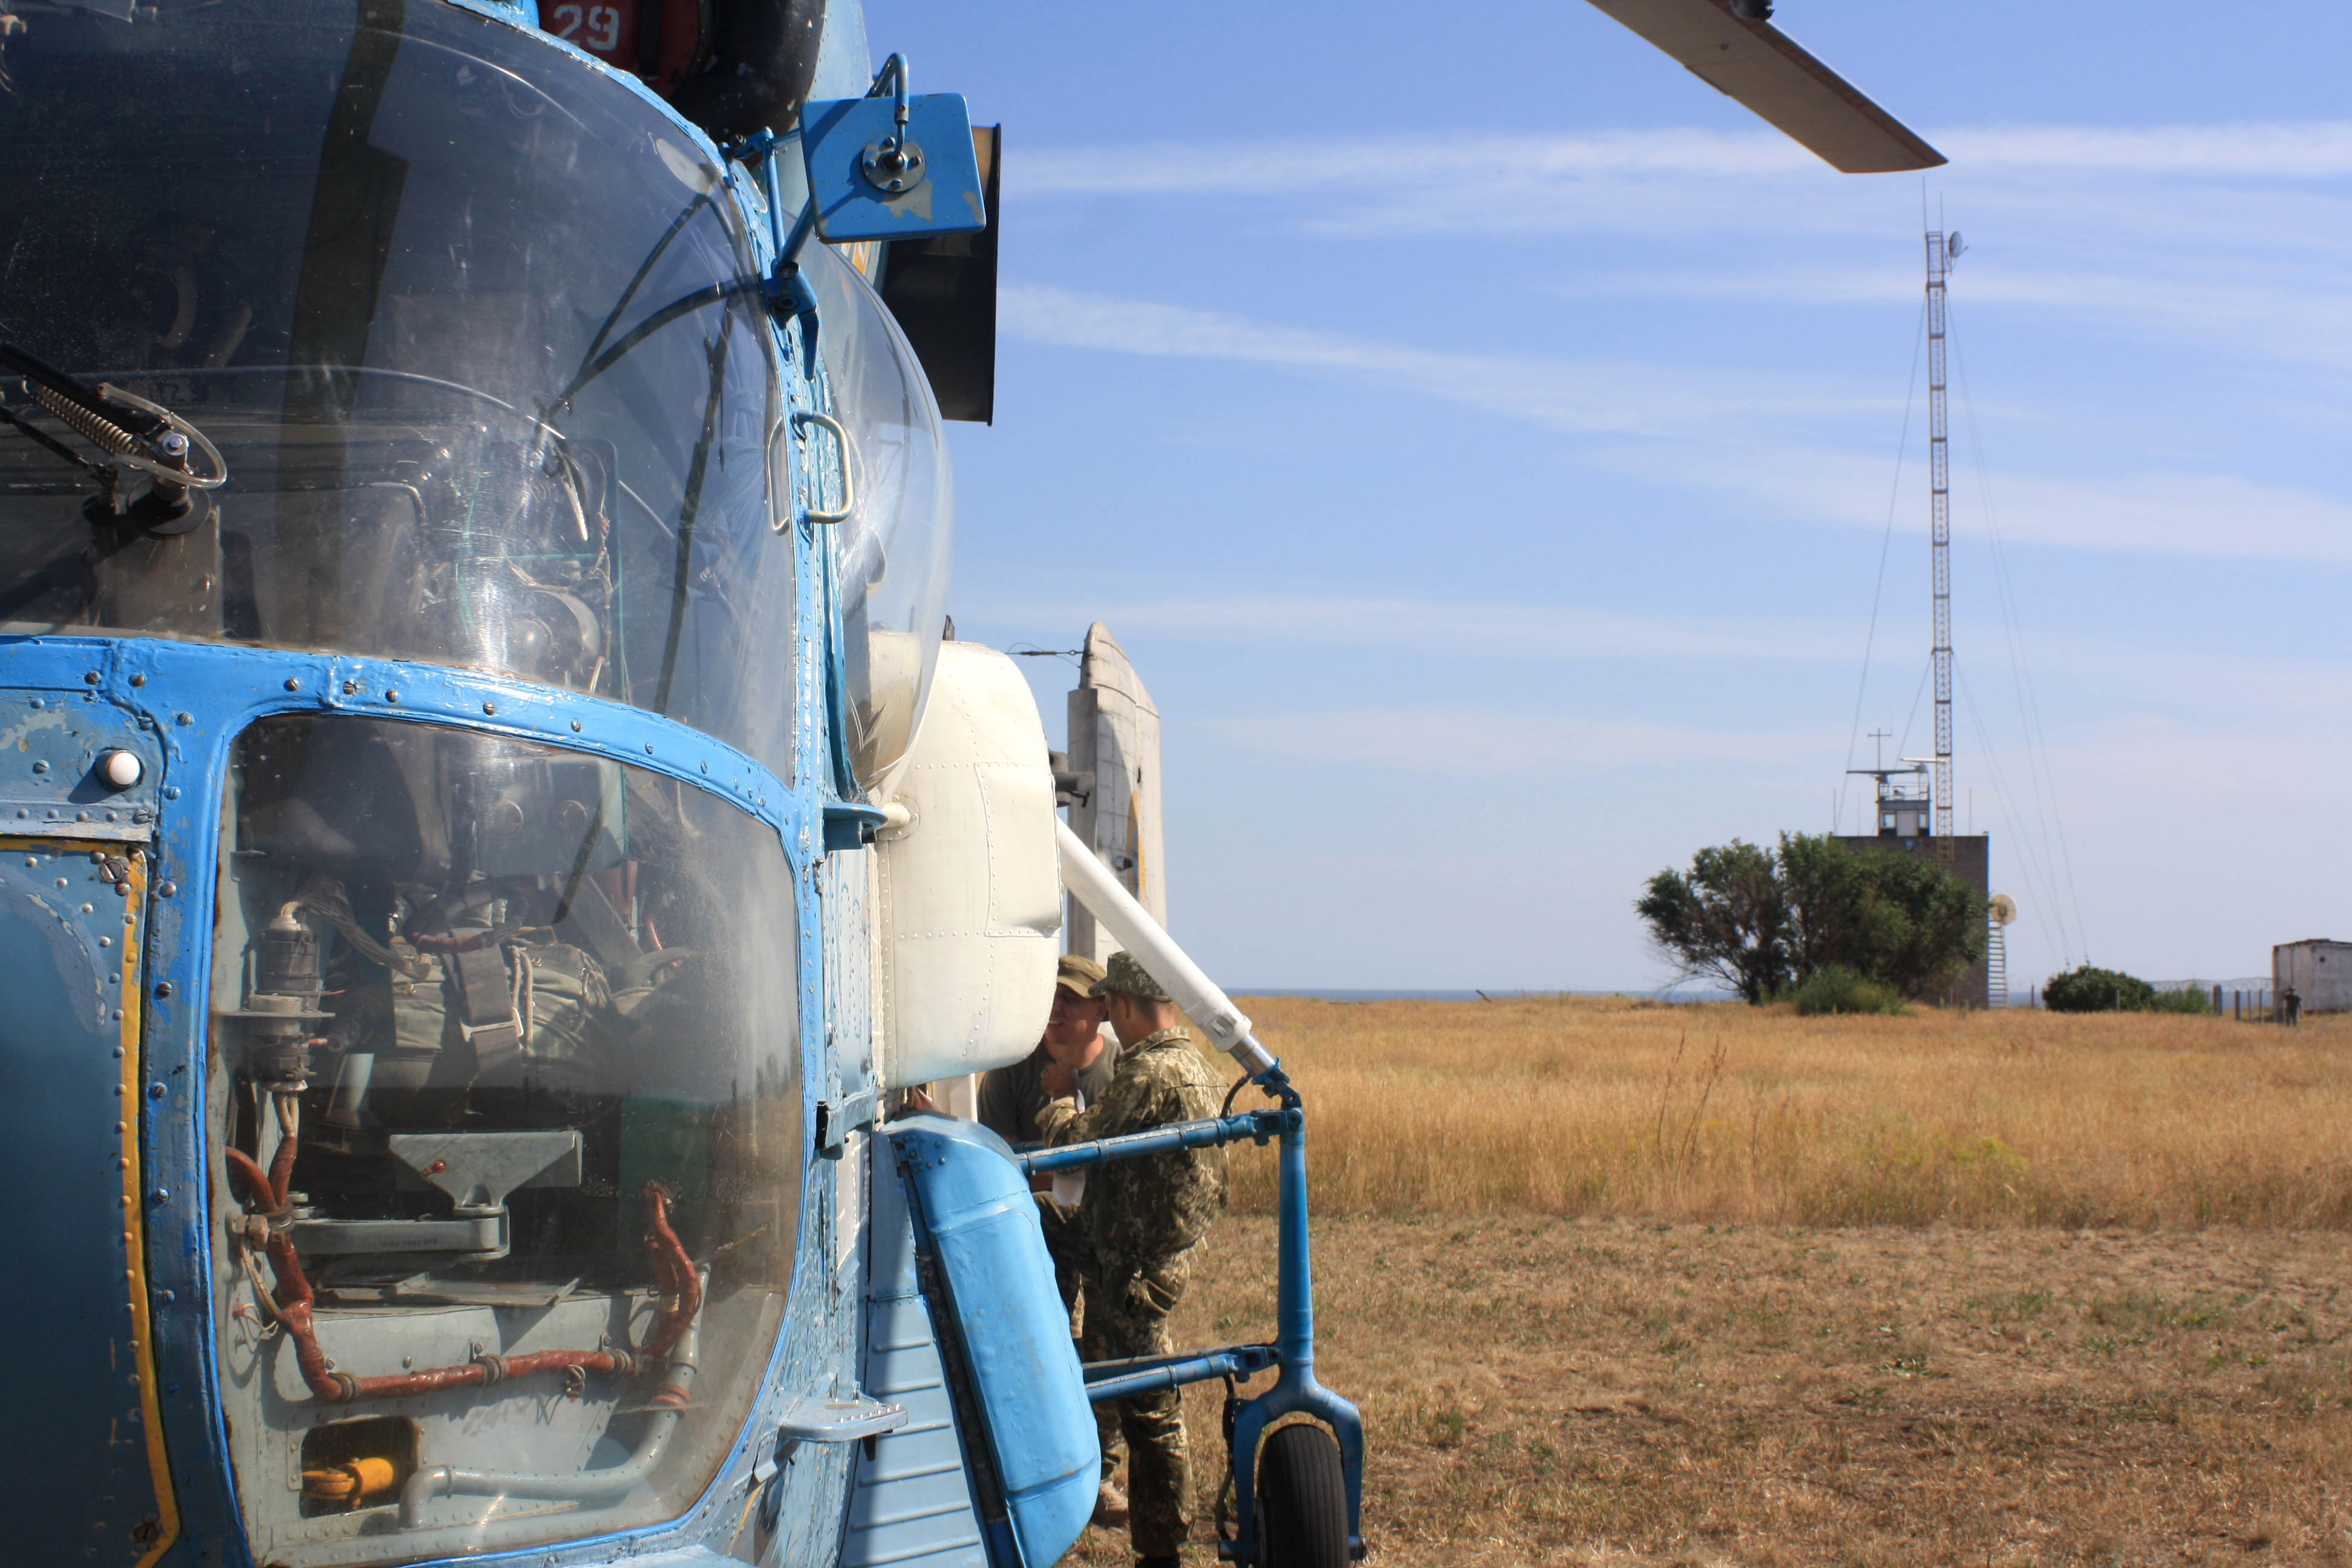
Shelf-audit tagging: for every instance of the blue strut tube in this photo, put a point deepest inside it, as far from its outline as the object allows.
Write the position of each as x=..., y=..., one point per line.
x=1294, y=1391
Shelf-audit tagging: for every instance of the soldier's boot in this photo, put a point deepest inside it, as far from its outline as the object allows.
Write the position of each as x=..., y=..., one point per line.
x=1110, y=1507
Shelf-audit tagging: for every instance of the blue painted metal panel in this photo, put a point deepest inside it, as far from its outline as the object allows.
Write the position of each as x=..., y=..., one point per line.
x=66, y=922
x=50, y=742
x=912, y=1505
x=977, y=1219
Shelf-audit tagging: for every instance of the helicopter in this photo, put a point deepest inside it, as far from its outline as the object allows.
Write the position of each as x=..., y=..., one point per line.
x=491, y=823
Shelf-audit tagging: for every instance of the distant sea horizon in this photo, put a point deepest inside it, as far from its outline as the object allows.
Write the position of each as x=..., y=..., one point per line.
x=1498, y=994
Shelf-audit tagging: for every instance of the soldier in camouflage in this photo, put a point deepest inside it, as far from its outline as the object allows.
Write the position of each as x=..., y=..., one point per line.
x=1132, y=1235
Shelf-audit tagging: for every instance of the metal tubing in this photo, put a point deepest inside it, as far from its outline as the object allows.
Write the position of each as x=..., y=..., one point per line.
x=1260, y=1125
x=1295, y=1392
x=604, y=1486
x=1092, y=884
x=1255, y=1358
x=1234, y=1362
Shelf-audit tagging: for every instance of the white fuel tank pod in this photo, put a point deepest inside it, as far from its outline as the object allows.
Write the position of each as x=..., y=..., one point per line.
x=969, y=891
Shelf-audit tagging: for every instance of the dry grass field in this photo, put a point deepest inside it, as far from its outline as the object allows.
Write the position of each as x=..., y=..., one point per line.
x=1726, y=1114
x=1620, y=1283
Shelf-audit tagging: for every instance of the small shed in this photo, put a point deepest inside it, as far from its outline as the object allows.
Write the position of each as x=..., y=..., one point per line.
x=2317, y=970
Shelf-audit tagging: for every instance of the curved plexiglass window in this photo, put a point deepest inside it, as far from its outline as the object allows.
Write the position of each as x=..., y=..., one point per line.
x=894, y=547
x=472, y=325
x=504, y=1087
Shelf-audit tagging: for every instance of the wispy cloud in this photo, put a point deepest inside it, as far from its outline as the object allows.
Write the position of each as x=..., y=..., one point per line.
x=1582, y=397
x=1683, y=420
x=2287, y=150
x=1495, y=745
x=2130, y=675
x=1453, y=629
x=2234, y=236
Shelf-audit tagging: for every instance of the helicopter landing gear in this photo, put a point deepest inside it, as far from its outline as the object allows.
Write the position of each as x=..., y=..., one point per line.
x=1302, y=1500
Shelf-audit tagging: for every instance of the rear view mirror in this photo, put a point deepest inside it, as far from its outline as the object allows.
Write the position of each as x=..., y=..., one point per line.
x=892, y=167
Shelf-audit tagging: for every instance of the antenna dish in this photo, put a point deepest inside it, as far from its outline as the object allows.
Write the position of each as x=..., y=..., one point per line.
x=1952, y=247
x=2004, y=909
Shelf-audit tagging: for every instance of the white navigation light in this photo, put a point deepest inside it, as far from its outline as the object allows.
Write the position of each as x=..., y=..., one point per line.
x=121, y=770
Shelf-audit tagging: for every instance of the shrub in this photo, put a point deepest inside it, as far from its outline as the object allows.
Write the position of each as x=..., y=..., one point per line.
x=1838, y=989
x=2193, y=999
x=2089, y=989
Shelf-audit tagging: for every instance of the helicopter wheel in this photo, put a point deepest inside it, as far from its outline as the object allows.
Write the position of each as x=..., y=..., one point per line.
x=1302, y=1500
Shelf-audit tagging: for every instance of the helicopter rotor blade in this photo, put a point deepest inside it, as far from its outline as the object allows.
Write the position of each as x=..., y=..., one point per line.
x=1727, y=45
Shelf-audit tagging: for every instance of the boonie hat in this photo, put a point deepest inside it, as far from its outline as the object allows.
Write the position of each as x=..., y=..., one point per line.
x=1124, y=975
x=1077, y=974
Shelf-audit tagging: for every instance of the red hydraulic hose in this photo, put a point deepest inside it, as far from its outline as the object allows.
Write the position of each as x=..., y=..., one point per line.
x=248, y=1175
x=673, y=1271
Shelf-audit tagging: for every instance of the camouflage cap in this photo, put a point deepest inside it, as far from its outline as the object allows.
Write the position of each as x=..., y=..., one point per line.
x=1078, y=974
x=1124, y=975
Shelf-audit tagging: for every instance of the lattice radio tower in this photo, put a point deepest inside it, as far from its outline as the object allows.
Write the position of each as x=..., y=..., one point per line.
x=1942, y=251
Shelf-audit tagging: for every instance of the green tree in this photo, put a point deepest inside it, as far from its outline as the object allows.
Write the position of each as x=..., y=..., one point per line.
x=1727, y=918
x=1764, y=922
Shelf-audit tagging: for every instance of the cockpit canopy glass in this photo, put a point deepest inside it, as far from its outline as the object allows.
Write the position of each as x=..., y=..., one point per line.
x=895, y=547
x=505, y=1090
x=473, y=326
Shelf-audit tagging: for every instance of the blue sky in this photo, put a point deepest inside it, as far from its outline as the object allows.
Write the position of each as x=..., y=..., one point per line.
x=1483, y=435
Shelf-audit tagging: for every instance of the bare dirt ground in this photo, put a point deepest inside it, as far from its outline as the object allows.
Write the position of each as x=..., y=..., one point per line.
x=1545, y=1390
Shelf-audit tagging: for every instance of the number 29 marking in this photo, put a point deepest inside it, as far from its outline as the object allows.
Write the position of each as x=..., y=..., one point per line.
x=601, y=24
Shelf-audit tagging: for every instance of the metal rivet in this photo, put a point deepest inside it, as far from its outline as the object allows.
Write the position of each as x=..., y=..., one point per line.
x=576, y=726
x=167, y=1298
x=391, y=697
x=351, y=688
x=155, y=1091
x=165, y=889
x=489, y=707
x=160, y=1194
x=292, y=684
x=184, y=718
x=649, y=748
x=172, y=794
x=89, y=677
x=138, y=680
x=40, y=767
x=38, y=704
x=164, y=988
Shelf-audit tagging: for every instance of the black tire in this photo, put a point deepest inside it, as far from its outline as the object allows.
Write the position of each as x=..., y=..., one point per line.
x=1302, y=1500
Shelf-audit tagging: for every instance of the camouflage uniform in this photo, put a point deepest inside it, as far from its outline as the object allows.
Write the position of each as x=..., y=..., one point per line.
x=1131, y=1237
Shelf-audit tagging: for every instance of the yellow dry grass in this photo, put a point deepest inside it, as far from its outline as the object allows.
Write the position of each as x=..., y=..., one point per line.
x=1622, y=1107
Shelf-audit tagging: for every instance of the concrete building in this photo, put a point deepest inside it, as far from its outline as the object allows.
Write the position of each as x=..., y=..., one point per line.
x=2317, y=970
